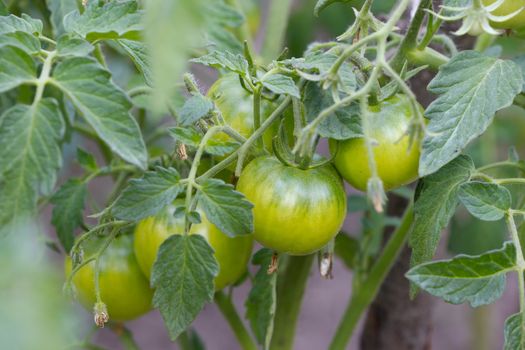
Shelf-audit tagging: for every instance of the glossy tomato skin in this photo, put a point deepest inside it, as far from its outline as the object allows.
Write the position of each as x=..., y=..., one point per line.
x=123, y=287
x=232, y=254
x=508, y=7
x=397, y=165
x=295, y=211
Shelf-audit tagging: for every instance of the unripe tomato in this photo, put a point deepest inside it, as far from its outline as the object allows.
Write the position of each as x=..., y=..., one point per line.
x=232, y=254
x=508, y=7
x=397, y=165
x=123, y=287
x=295, y=211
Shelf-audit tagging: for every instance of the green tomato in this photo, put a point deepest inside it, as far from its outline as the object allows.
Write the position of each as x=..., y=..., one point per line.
x=232, y=254
x=508, y=7
x=295, y=211
x=123, y=287
x=397, y=165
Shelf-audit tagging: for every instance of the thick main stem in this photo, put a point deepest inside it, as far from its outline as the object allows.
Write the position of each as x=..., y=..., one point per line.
x=230, y=314
x=290, y=289
x=365, y=294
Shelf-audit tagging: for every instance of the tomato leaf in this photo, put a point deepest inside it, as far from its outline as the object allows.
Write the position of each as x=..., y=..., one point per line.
x=194, y=109
x=113, y=20
x=59, y=9
x=73, y=45
x=104, y=106
x=86, y=160
x=22, y=40
x=183, y=280
x=191, y=137
x=261, y=302
x=472, y=87
x=30, y=156
x=436, y=199
x=515, y=332
x=226, y=208
x=12, y=23
x=67, y=211
x=3, y=9
x=148, y=195
x=520, y=61
x=479, y=280
x=16, y=68
x=224, y=59
x=138, y=53
x=322, y=4
x=485, y=201
x=281, y=84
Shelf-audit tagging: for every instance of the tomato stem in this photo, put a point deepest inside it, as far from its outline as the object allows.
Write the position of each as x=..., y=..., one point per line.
x=277, y=21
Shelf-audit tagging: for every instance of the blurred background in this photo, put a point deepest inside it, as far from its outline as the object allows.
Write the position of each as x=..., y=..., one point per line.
x=31, y=275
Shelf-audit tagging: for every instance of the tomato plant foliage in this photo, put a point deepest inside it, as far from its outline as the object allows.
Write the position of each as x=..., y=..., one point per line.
x=109, y=77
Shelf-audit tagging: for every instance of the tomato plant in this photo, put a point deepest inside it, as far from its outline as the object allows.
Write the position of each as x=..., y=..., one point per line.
x=108, y=127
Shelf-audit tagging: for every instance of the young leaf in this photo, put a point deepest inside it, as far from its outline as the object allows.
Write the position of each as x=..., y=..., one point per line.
x=86, y=160
x=67, y=211
x=22, y=40
x=138, y=53
x=183, y=280
x=194, y=109
x=515, y=332
x=485, y=201
x=73, y=45
x=147, y=196
x=435, y=202
x=281, y=84
x=472, y=87
x=344, y=124
x=114, y=20
x=12, y=23
x=225, y=60
x=479, y=280
x=261, y=302
x=59, y=9
x=30, y=156
x=191, y=137
x=226, y=208
x=16, y=68
x=104, y=106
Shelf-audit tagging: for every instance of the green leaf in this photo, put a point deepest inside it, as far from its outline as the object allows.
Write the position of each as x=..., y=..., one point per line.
x=138, y=53
x=3, y=9
x=73, y=45
x=223, y=14
x=472, y=87
x=221, y=38
x=479, y=280
x=86, y=160
x=194, y=109
x=16, y=68
x=183, y=280
x=520, y=61
x=226, y=208
x=485, y=201
x=515, y=332
x=346, y=248
x=147, y=196
x=114, y=20
x=261, y=302
x=104, y=106
x=67, y=211
x=225, y=60
x=22, y=40
x=30, y=156
x=220, y=19
x=12, y=23
x=59, y=9
x=344, y=124
x=281, y=84
x=191, y=137
x=436, y=200
x=322, y=4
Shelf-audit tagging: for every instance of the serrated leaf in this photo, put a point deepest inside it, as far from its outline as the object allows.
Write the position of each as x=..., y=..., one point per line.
x=194, y=109
x=22, y=40
x=225, y=60
x=16, y=68
x=148, y=195
x=30, y=156
x=436, y=199
x=86, y=160
x=73, y=45
x=472, y=87
x=344, y=124
x=138, y=53
x=485, y=201
x=183, y=280
x=281, y=84
x=67, y=211
x=479, y=280
x=59, y=9
x=191, y=137
x=12, y=23
x=226, y=208
x=104, y=106
x=515, y=332
x=261, y=302
x=113, y=20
